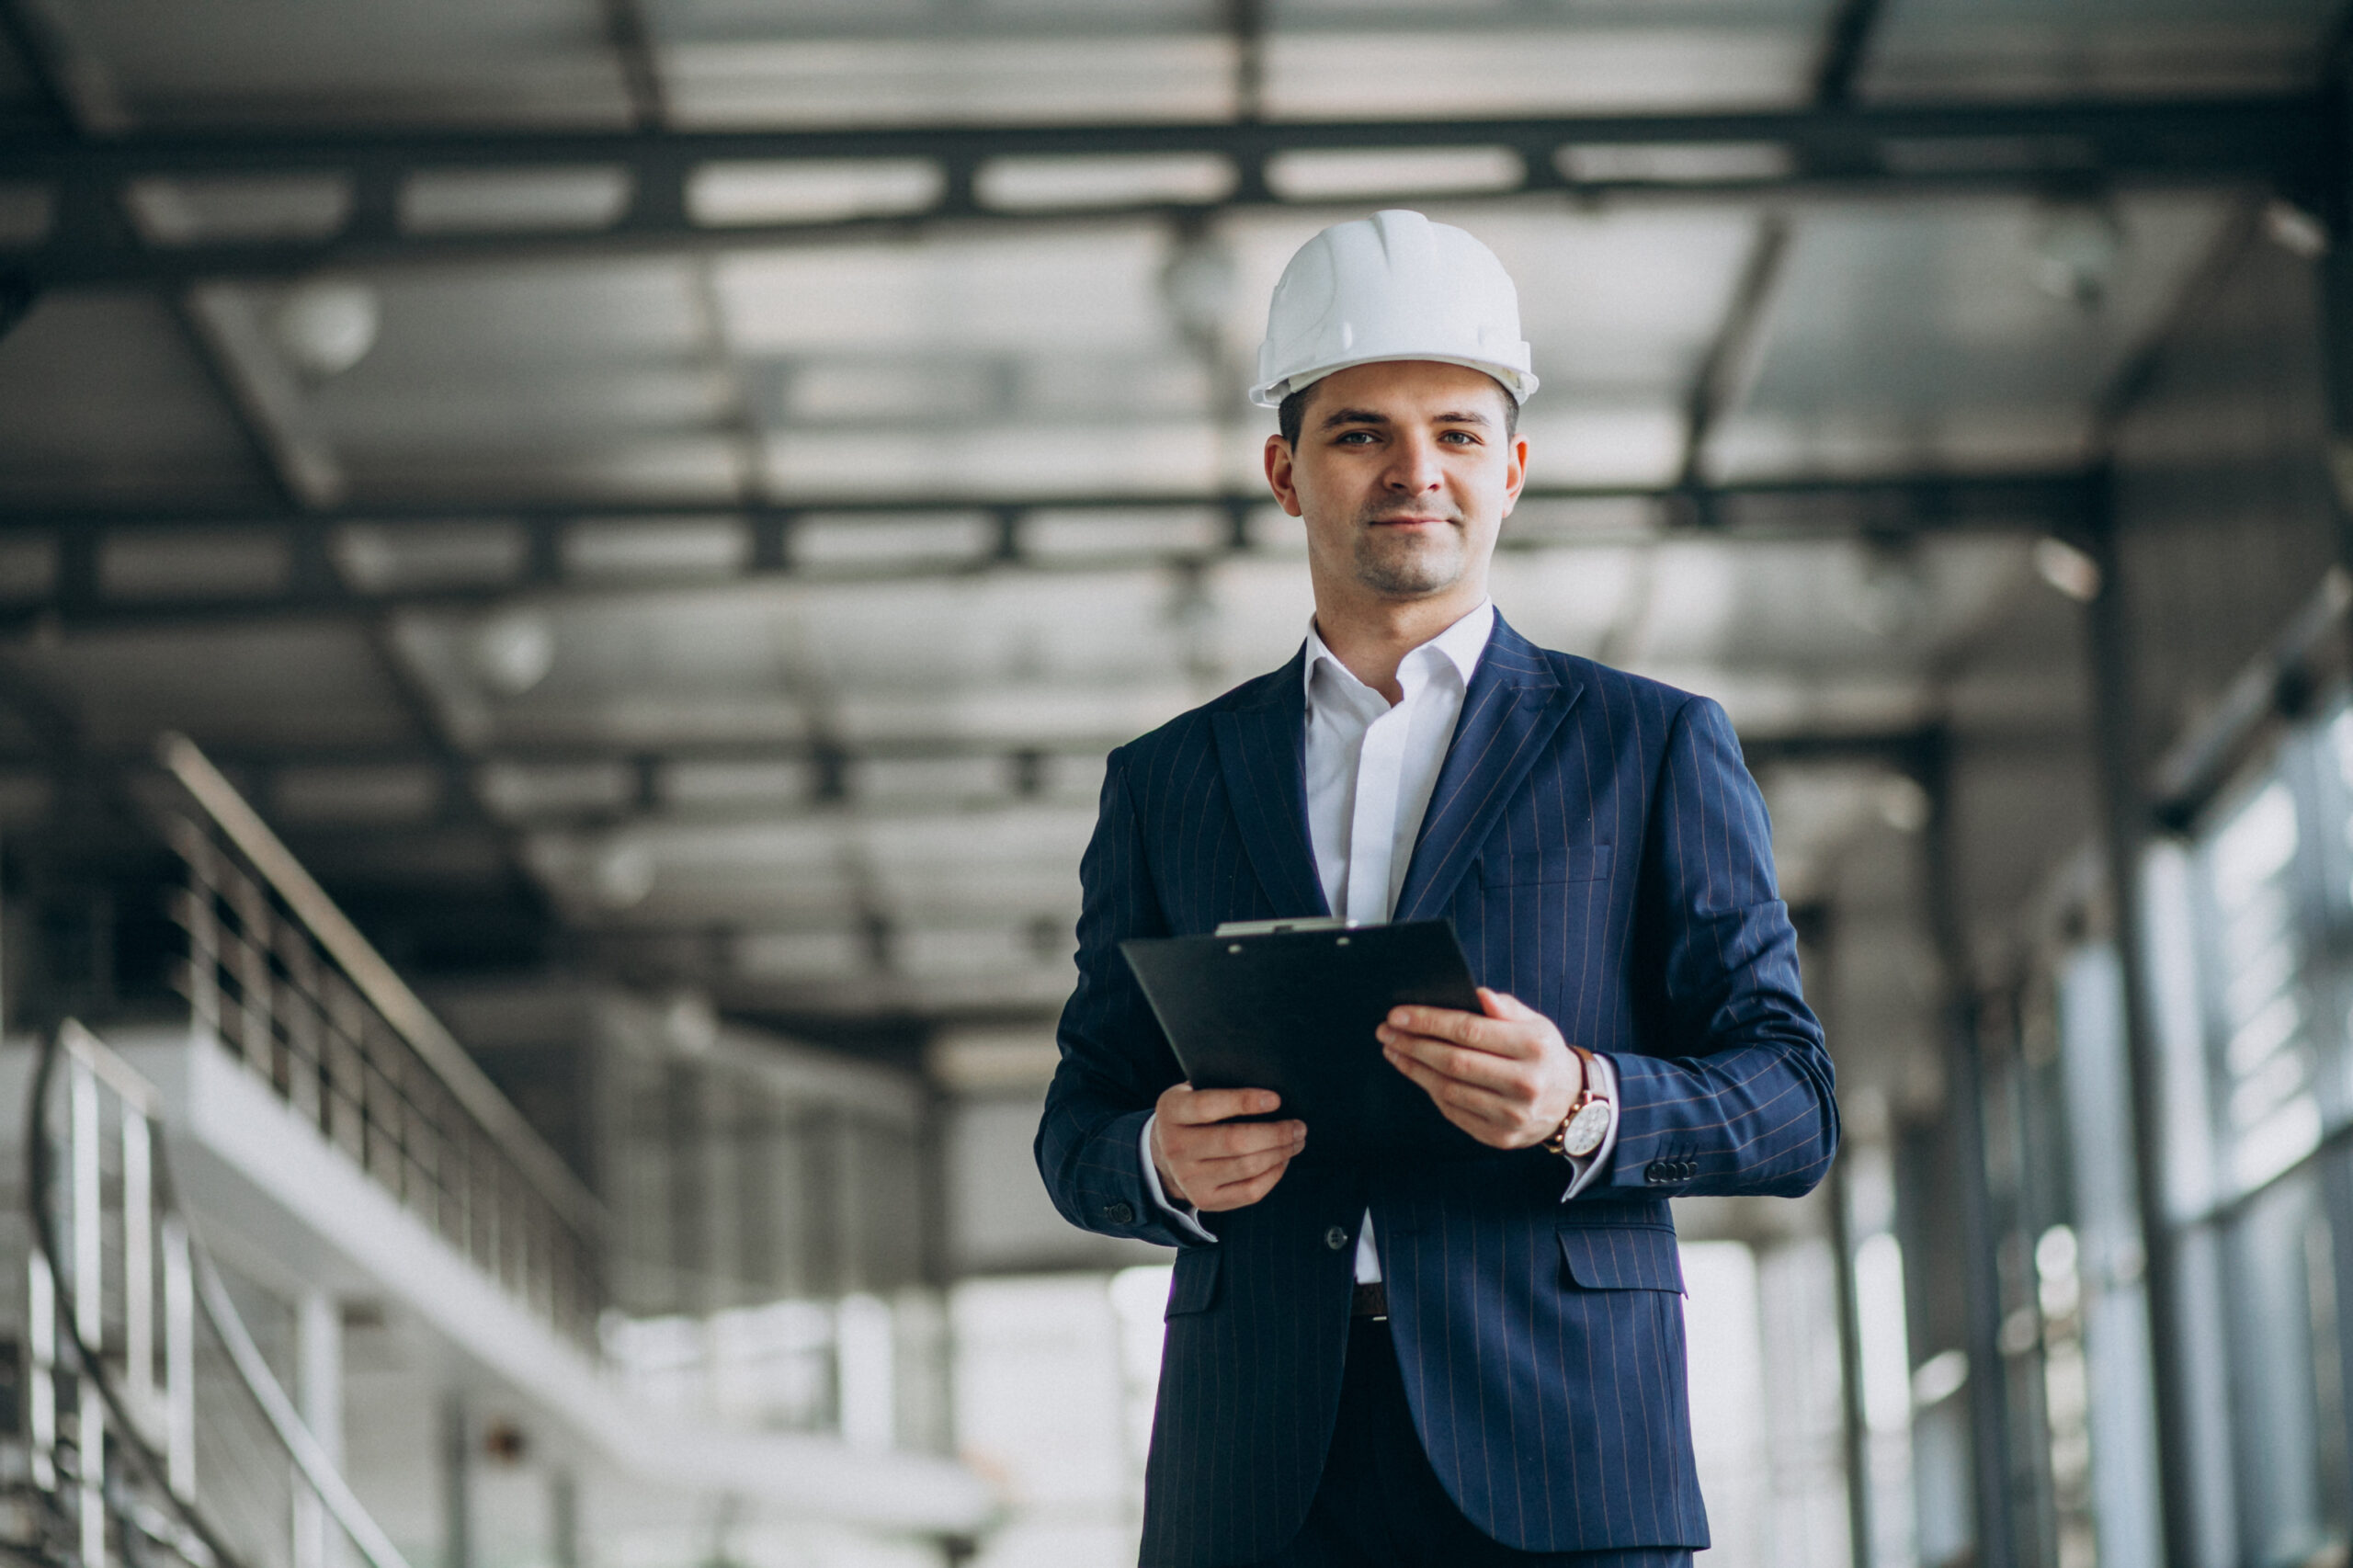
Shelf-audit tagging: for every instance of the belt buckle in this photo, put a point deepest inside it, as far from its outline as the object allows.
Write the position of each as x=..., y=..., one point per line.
x=1371, y=1301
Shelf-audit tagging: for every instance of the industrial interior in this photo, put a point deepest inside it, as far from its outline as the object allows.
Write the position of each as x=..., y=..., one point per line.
x=568, y=569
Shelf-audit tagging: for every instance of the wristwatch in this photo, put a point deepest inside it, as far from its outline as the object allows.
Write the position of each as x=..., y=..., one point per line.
x=1587, y=1123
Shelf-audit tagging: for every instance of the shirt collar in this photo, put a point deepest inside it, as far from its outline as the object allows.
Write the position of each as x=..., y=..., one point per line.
x=1461, y=644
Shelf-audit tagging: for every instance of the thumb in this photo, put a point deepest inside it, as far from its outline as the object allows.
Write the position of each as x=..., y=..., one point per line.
x=1501, y=1004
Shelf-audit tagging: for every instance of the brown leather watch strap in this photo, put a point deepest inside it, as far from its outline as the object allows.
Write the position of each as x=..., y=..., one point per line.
x=1558, y=1143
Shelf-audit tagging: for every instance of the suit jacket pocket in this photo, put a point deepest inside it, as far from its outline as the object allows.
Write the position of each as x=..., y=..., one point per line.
x=1622, y=1257
x=1542, y=864
x=1195, y=1288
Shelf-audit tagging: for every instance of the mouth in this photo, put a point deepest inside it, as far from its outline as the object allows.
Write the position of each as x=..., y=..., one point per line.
x=1410, y=522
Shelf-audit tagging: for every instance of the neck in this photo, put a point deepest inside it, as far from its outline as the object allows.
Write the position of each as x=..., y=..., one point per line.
x=1373, y=638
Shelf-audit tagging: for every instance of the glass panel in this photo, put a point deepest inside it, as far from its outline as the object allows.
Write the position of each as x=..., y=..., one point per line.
x=2259, y=1047
x=2272, y=1251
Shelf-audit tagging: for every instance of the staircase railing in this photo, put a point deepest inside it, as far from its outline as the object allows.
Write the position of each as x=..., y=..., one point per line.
x=155, y=1431
x=278, y=974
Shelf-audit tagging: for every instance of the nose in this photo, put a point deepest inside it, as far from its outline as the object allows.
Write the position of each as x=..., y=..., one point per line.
x=1414, y=470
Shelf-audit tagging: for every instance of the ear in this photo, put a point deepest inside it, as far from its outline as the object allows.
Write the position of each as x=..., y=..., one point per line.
x=1515, y=473
x=1278, y=459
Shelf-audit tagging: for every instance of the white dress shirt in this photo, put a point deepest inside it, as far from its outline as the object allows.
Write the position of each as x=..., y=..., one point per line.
x=1370, y=768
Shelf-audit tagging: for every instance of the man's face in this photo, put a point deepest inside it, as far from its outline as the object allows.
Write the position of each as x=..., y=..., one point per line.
x=1403, y=473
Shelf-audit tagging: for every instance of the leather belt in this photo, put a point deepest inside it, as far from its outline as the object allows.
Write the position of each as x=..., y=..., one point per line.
x=1371, y=1301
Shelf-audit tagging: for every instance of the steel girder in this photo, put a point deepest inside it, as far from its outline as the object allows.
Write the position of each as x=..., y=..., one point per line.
x=90, y=236
x=63, y=561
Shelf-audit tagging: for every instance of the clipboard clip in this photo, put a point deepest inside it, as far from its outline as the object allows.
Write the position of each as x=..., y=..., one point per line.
x=1276, y=927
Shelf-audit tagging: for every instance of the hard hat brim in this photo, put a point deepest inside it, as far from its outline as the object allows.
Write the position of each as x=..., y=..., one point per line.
x=1521, y=384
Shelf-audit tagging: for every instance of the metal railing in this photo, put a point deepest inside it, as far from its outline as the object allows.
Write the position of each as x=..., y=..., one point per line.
x=155, y=1431
x=277, y=973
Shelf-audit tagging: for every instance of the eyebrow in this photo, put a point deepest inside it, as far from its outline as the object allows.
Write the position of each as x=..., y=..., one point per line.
x=1340, y=417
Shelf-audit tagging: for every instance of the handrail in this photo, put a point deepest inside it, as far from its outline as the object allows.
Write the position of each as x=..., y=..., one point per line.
x=213, y=1298
x=301, y=1446
x=378, y=983
x=66, y=1306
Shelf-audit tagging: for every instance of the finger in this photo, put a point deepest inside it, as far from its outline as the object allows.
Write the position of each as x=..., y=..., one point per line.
x=1242, y=1194
x=1504, y=1005
x=1214, y=1154
x=1495, y=1035
x=1462, y=1103
x=1214, y=1174
x=1503, y=1075
x=1225, y=1140
x=1197, y=1106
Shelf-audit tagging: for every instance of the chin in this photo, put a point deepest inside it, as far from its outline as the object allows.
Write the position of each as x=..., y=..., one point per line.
x=1408, y=574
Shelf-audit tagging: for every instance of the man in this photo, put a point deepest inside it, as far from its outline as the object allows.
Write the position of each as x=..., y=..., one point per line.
x=1465, y=1362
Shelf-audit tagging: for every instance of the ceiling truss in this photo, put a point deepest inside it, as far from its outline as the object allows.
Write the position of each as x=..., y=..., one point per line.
x=2281, y=141
x=69, y=569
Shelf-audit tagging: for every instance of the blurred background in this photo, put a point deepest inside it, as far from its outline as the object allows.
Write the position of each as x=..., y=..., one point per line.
x=567, y=568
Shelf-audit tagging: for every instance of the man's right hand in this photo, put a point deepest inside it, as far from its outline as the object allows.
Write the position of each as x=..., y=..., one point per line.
x=1214, y=1162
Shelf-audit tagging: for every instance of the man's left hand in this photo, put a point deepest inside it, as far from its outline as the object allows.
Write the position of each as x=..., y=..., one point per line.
x=1507, y=1078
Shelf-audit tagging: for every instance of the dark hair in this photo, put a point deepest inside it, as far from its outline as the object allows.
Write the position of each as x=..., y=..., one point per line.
x=1293, y=414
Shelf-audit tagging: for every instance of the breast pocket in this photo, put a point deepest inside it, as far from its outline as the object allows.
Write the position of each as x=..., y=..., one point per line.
x=1544, y=865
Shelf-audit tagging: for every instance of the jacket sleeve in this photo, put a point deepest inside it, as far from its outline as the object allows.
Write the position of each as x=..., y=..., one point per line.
x=1115, y=1061
x=1735, y=1094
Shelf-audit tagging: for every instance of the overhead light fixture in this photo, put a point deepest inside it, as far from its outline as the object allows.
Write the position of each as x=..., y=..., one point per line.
x=2294, y=229
x=1904, y=805
x=514, y=650
x=2066, y=568
x=1894, y=594
x=326, y=325
x=1197, y=284
x=689, y=1021
x=2075, y=255
x=622, y=875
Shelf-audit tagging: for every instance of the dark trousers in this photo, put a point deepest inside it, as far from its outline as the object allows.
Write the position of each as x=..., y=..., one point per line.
x=1380, y=1504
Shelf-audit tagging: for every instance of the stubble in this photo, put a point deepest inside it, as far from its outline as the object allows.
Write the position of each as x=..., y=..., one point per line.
x=1409, y=566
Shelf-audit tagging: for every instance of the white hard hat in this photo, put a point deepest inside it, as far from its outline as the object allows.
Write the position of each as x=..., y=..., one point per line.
x=1393, y=286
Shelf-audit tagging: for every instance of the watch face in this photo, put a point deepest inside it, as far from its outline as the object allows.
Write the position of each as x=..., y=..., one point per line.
x=1586, y=1129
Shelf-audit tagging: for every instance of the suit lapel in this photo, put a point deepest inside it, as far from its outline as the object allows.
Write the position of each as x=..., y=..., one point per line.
x=1261, y=749
x=1514, y=704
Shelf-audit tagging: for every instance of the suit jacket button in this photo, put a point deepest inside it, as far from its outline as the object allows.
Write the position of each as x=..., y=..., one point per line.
x=1336, y=1238
x=1119, y=1213
x=1659, y=1173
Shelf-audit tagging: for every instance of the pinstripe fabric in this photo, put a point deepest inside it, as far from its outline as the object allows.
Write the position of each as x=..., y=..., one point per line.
x=1604, y=857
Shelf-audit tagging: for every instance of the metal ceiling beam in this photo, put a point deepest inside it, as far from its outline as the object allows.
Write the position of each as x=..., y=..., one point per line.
x=1847, y=48
x=1731, y=354
x=631, y=41
x=83, y=549
x=2280, y=140
x=644, y=790
x=1717, y=384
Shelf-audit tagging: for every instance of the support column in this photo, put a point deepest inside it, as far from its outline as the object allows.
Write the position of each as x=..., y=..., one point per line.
x=318, y=1392
x=457, y=1483
x=2124, y=826
x=18, y=297
x=563, y=1518
x=1817, y=929
x=1987, y=1389
x=1854, y=1431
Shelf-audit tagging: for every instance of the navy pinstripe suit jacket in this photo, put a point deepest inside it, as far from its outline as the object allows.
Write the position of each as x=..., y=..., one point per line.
x=1604, y=857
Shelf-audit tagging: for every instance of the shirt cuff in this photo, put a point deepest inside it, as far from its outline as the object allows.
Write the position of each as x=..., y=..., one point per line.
x=1185, y=1214
x=1588, y=1170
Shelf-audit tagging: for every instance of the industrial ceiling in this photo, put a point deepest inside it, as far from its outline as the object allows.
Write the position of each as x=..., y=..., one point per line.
x=715, y=478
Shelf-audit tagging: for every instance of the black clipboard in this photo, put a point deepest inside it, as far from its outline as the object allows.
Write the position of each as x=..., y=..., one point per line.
x=1293, y=1010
